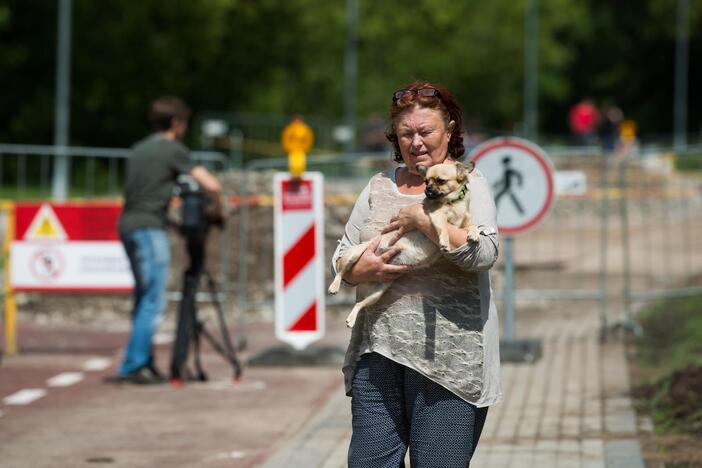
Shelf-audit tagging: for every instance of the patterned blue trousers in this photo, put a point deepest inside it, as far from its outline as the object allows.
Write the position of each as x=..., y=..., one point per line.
x=395, y=407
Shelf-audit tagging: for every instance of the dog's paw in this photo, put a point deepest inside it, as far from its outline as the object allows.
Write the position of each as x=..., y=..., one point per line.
x=473, y=233
x=335, y=285
x=444, y=248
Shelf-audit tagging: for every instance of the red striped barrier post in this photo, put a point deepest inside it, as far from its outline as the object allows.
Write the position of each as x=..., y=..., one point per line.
x=299, y=258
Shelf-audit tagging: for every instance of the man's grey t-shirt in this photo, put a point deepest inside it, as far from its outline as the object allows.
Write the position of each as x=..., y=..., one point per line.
x=152, y=168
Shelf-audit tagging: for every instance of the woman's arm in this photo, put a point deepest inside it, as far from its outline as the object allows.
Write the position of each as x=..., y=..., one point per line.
x=352, y=230
x=373, y=265
x=480, y=255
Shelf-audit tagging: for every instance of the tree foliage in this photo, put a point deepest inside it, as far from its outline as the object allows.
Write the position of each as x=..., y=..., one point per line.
x=287, y=57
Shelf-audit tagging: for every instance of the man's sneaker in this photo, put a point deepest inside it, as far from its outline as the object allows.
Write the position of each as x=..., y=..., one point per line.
x=155, y=372
x=143, y=376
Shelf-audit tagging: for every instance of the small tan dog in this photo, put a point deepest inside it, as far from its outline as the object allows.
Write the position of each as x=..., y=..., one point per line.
x=446, y=202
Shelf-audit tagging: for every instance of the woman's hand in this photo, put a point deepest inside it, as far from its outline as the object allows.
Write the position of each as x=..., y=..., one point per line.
x=373, y=266
x=408, y=219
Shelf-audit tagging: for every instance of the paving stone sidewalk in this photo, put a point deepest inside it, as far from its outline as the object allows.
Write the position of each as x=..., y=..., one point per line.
x=572, y=408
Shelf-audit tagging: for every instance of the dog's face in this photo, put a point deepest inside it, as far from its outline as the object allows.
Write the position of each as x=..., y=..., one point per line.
x=443, y=179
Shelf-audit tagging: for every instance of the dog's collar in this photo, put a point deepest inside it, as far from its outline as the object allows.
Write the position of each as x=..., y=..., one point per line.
x=461, y=194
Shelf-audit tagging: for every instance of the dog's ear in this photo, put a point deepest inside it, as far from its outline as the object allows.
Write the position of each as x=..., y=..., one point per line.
x=422, y=170
x=461, y=173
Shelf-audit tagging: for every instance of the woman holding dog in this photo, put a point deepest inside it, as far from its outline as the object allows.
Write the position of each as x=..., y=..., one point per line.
x=423, y=362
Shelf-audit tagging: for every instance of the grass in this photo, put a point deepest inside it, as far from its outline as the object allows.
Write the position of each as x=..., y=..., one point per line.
x=669, y=358
x=672, y=335
x=689, y=162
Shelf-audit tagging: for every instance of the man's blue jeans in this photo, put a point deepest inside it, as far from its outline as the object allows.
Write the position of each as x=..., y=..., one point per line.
x=149, y=256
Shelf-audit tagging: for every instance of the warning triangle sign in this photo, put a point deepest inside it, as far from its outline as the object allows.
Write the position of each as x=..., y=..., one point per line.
x=45, y=225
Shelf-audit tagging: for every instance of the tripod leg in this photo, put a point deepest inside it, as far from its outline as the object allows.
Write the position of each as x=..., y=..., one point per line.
x=187, y=320
x=197, y=331
x=184, y=331
x=230, y=352
x=224, y=353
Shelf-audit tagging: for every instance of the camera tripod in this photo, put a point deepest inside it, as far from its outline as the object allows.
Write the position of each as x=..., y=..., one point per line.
x=191, y=328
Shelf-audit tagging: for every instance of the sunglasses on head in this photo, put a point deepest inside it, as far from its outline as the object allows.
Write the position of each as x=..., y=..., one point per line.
x=422, y=92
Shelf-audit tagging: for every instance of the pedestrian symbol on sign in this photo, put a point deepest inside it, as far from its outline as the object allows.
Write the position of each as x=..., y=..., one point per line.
x=504, y=185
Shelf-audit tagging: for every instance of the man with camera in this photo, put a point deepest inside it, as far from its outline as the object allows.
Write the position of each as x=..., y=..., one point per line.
x=153, y=167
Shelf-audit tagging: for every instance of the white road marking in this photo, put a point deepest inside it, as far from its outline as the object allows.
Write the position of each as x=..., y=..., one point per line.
x=163, y=338
x=228, y=385
x=25, y=396
x=233, y=455
x=65, y=379
x=97, y=364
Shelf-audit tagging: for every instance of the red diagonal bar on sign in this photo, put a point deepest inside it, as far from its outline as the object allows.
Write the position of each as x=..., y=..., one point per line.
x=298, y=256
x=307, y=321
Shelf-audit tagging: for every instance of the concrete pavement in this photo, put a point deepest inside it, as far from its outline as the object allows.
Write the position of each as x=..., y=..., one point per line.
x=572, y=408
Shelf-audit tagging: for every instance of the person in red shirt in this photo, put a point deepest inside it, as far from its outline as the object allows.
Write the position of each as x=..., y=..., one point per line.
x=583, y=119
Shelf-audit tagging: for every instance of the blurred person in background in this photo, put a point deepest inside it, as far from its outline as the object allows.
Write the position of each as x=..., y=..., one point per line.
x=423, y=363
x=152, y=169
x=608, y=130
x=582, y=119
x=628, y=142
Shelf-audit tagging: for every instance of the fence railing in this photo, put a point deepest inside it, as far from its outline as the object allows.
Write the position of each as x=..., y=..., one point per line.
x=25, y=170
x=631, y=235
x=594, y=246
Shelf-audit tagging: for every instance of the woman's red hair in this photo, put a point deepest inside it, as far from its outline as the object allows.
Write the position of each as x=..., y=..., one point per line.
x=446, y=104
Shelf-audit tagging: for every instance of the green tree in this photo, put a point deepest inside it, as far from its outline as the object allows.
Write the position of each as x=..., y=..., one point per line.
x=474, y=48
x=287, y=57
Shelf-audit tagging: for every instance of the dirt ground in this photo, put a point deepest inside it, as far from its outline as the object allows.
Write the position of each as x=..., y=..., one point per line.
x=669, y=450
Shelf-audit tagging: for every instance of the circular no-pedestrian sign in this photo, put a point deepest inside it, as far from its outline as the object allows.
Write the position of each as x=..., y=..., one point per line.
x=522, y=182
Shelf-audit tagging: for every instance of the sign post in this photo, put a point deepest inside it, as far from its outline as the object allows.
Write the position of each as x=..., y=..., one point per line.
x=522, y=181
x=299, y=243
x=10, y=304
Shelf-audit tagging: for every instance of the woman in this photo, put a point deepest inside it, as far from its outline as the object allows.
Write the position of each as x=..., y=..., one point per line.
x=423, y=362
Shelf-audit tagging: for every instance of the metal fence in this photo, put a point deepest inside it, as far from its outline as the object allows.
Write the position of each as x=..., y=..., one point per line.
x=252, y=136
x=632, y=234
x=660, y=230
x=25, y=170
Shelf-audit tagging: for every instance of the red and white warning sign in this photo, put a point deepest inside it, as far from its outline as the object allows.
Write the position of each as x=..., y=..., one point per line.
x=522, y=180
x=299, y=258
x=68, y=247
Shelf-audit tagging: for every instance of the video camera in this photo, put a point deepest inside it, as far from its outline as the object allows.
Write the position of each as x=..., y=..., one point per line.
x=195, y=216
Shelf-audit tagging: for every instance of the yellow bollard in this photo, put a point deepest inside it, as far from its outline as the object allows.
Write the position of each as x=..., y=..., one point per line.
x=9, y=294
x=297, y=161
x=297, y=139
